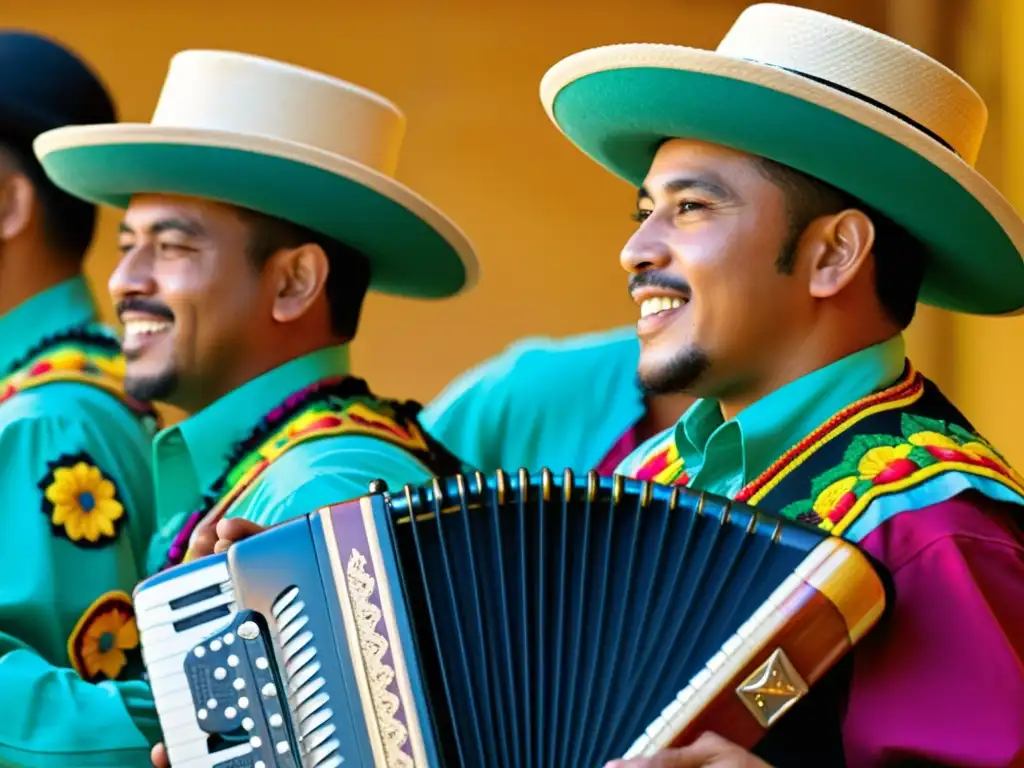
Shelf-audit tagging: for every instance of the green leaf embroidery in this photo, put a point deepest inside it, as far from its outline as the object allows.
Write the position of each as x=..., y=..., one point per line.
x=797, y=508
x=826, y=478
x=911, y=424
x=921, y=457
x=861, y=444
x=861, y=487
x=963, y=435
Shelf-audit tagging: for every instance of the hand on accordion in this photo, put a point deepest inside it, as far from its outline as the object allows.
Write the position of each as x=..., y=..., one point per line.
x=210, y=539
x=709, y=751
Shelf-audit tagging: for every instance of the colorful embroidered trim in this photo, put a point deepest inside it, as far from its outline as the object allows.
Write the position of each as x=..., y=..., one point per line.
x=904, y=392
x=103, y=638
x=80, y=355
x=334, y=406
x=664, y=466
x=874, y=465
x=81, y=502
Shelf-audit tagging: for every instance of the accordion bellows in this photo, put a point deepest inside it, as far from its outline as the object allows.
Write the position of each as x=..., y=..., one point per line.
x=508, y=620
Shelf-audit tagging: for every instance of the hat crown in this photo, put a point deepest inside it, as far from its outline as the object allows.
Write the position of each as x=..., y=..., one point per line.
x=254, y=96
x=867, y=63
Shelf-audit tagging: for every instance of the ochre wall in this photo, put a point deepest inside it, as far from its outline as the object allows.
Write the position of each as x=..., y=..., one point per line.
x=548, y=223
x=988, y=353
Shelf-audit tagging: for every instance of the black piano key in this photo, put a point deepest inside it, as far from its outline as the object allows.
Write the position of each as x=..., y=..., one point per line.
x=196, y=597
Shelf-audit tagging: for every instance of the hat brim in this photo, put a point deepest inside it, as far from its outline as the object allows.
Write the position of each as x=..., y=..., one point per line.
x=618, y=104
x=413, y=249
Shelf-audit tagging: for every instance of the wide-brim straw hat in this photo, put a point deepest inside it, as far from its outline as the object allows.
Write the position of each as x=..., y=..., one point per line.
x=281, y=140
x=840, y=102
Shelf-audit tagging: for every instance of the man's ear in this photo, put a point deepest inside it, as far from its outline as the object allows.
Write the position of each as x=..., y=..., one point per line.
x=300, y=276
x=17, y=204
x=844, y=242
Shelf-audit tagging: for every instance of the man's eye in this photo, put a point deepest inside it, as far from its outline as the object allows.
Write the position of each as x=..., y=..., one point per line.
x=690, y=206
x=640, y=216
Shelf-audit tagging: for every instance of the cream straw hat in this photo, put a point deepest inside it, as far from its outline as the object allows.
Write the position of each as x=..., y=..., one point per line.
x=840, y=102
x=282, y=140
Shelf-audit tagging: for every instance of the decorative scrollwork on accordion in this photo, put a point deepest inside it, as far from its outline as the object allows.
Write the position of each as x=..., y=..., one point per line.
x=373, y=646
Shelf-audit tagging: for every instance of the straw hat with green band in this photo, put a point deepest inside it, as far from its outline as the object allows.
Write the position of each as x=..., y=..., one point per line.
x=282, y=140
x=840, y=102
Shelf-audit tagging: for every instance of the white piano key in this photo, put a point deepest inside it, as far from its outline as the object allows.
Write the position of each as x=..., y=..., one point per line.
x=187, y=584
x=163, y=617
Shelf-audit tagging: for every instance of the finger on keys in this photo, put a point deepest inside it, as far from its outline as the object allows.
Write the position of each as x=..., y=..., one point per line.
x=204, y=542
x=159, y=756
x=230, y=530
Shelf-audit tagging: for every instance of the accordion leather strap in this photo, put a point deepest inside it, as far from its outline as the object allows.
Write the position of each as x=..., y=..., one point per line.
x=815, y=617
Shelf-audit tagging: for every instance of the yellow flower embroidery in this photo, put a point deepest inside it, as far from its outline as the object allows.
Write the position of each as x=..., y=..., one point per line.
x=877, y=459
x=99, y=645
x=81, y=502
x=934, y=439
x=831, y=497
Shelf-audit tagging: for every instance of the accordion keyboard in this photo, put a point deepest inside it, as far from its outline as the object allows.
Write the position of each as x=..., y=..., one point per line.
x=174, y=617
x=240, y=655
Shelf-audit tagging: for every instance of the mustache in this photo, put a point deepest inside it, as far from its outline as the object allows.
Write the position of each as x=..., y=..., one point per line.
x=147, y=306
x=658, y=280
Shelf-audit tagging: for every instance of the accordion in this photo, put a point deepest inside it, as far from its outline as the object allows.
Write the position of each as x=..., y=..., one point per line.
x=503, y=620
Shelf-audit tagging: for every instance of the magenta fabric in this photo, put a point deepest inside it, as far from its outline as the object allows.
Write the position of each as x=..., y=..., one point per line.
x=624, y=446
x=941, y=682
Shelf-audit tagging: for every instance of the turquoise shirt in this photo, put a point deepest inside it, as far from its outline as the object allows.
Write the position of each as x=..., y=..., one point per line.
x=542, y=402
x=190, y=456
x=75, y=466
x=721, y=456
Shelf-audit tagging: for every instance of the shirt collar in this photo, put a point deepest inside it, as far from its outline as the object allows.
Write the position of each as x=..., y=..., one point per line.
x=775, y=423
x=209, y=435
x=49, y=312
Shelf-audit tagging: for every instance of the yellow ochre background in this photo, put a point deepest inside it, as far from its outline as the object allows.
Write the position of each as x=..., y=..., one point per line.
x=548, y=223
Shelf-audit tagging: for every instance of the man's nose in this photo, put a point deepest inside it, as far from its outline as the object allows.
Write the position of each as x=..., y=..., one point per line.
x=645, y=251
x=133, y=276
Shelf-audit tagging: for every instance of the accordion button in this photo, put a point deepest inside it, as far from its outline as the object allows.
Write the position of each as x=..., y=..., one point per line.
x=229, y=639
x=230, y=713
x=220, y=673
x=232, y=660
x=269, y=691
x=259, y=764
x=248, y=630
x=276, y=720
x=239, y=683
x=261, y=663
x=248, y=723
x=243, y=702
x=215, y=646
x=282, y=747
x=256, y=742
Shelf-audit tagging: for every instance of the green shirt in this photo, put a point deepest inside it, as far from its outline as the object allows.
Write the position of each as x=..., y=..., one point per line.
x=722, y=456
x=542, y=402
x=190, y=456
x=77, y=514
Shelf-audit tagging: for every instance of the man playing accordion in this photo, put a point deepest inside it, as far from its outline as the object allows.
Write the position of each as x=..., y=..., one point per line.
x=800, y=189
x=249, y=240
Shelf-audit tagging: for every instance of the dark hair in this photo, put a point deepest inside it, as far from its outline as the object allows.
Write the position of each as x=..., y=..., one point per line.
x=68, y=223
x=900, y=258
x=347, y=280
